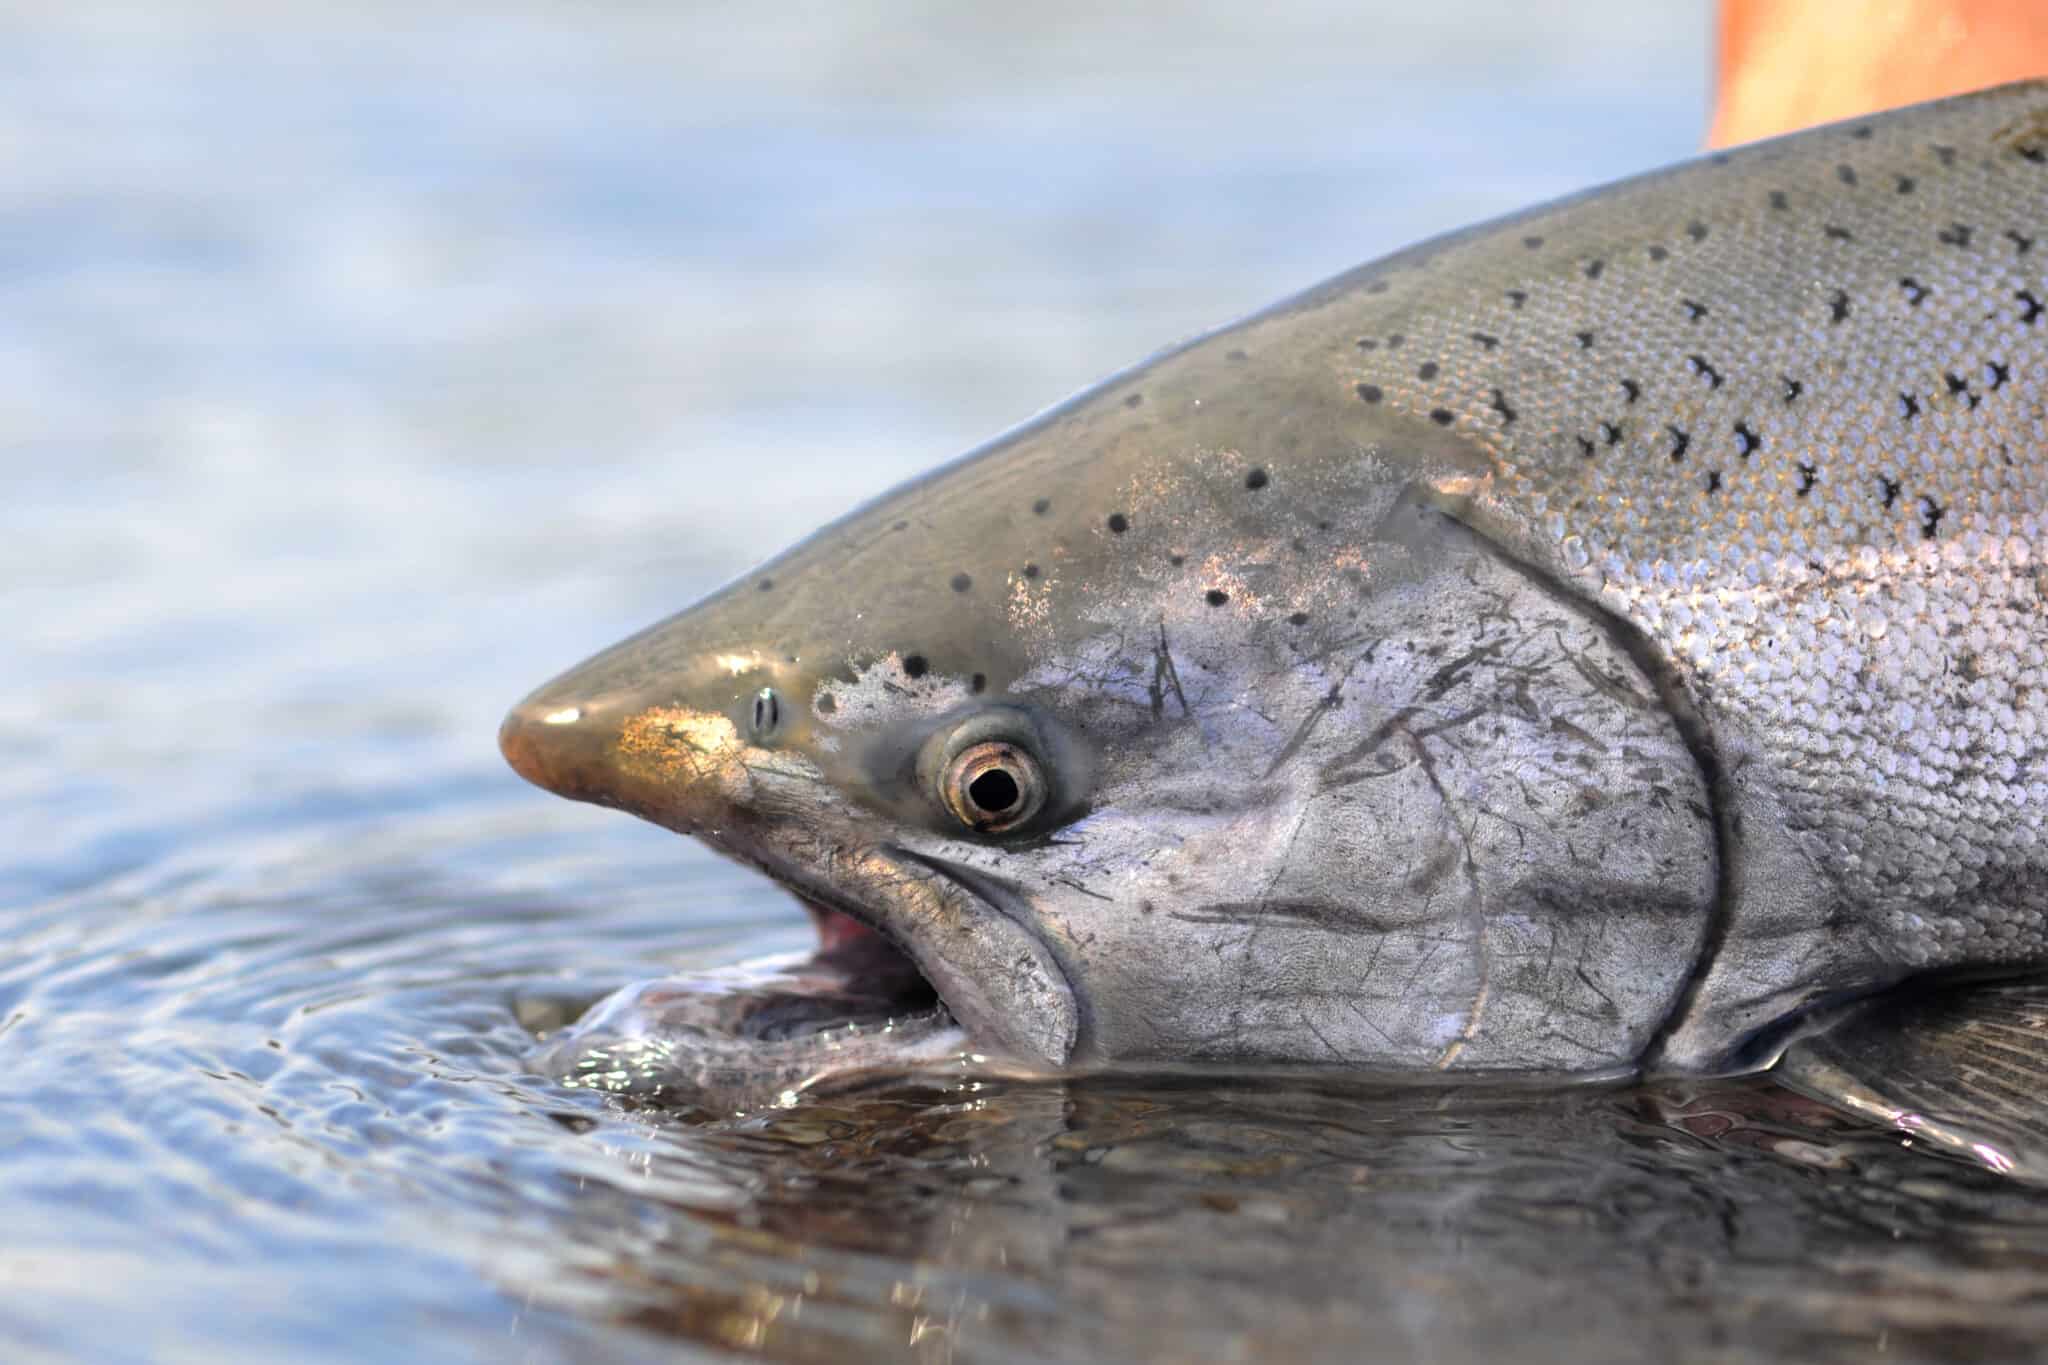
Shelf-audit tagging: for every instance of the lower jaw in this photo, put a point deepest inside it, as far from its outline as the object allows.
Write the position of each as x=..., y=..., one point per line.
x=758, y=1034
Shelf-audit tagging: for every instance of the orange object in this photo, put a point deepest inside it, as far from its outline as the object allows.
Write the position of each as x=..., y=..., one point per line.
x=1788, y=64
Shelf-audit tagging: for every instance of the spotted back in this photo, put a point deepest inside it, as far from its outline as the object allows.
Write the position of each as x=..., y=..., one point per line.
x=1782, y=409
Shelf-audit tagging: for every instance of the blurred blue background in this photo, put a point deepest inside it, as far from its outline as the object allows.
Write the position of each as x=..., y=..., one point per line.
x=362, y=365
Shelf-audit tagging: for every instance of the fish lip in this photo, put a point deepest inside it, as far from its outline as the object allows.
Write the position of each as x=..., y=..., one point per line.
x=998, y=979
x=992, y=893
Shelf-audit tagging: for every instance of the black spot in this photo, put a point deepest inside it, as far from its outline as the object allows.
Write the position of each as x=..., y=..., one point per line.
x=1585, y=445
x=1426, y=370
x=1299, y=618
x=1255, y=480
x=767, y=585
x=1133, y=401
x=1532, y=242
x=1838, y=307
x=1443, y=417
x=1915, y=291
x=1779, y=202
x=1956, y=234
x=1216, y=597
x=1486, y=343
x=1594, y=267
x=1041, y=507
x=961, y=582
x=2029, y=152
x=1658, y=253
x=2021, y=244
x=1610, y=433
x=1176, y=560
x=1118, y=523
x=1693, y=311
x=1680, y=443
x=1904, y=184
x=1699, y=366
x=1747, y=442
x=1945, y=155
x=1959, y=387
x=1394, y=341
x=1516, y=298
x=1631, y=390
x=827, y=703
x=1909, y=407
x=1500, y=405
x=1697, y=231
x=915, y=666
x=1930, y=516
x=1371, y=393
x=1998, y=373
x=1793, y=388
x=1891, y=490
x=1713, y=480
x=1861, y=132
x=1368, y=344
x=2030, y=307
x=1846, y=174
x=1838, y=233
x=1031, y=571
x=1585, y=340
x=1807, y=474
x=978, y=683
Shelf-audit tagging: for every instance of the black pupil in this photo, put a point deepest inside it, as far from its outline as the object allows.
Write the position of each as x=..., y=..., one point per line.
x=995, y=791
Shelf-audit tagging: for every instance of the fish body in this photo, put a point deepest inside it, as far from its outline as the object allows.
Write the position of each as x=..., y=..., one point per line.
x=1585, y=642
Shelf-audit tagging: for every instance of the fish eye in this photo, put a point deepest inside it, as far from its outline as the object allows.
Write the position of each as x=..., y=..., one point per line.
x=766, y=718
x=993, y=786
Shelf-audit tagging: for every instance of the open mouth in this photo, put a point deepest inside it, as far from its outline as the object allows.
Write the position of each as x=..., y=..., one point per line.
x=856, y=979
x=729, y=1039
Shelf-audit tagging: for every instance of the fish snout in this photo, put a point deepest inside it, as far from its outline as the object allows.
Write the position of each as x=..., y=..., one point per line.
x=558, y=747
x=675, y=764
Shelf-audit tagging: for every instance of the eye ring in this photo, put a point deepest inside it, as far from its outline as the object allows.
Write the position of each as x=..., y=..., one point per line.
x=993, y=787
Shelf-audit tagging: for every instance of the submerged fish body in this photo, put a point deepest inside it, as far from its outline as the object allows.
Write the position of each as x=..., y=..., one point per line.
x=1584, y=642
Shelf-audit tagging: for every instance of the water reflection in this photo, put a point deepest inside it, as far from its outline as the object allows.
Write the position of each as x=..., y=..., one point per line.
x=1253, y=1222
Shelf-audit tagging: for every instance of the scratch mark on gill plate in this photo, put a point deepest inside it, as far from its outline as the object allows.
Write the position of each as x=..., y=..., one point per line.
x=1475, y=914
x=1309, y=1020
x=1164, y=671
x=1327, y=916
x=1322, y=707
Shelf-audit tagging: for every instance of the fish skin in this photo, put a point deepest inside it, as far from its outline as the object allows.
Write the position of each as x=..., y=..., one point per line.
x=1717, y=491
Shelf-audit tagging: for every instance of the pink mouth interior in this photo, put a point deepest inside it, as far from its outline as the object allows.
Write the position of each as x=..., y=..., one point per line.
x=854, y=961
x=838, y=931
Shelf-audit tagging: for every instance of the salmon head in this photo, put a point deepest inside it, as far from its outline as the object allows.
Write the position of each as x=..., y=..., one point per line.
x=1194, y=721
